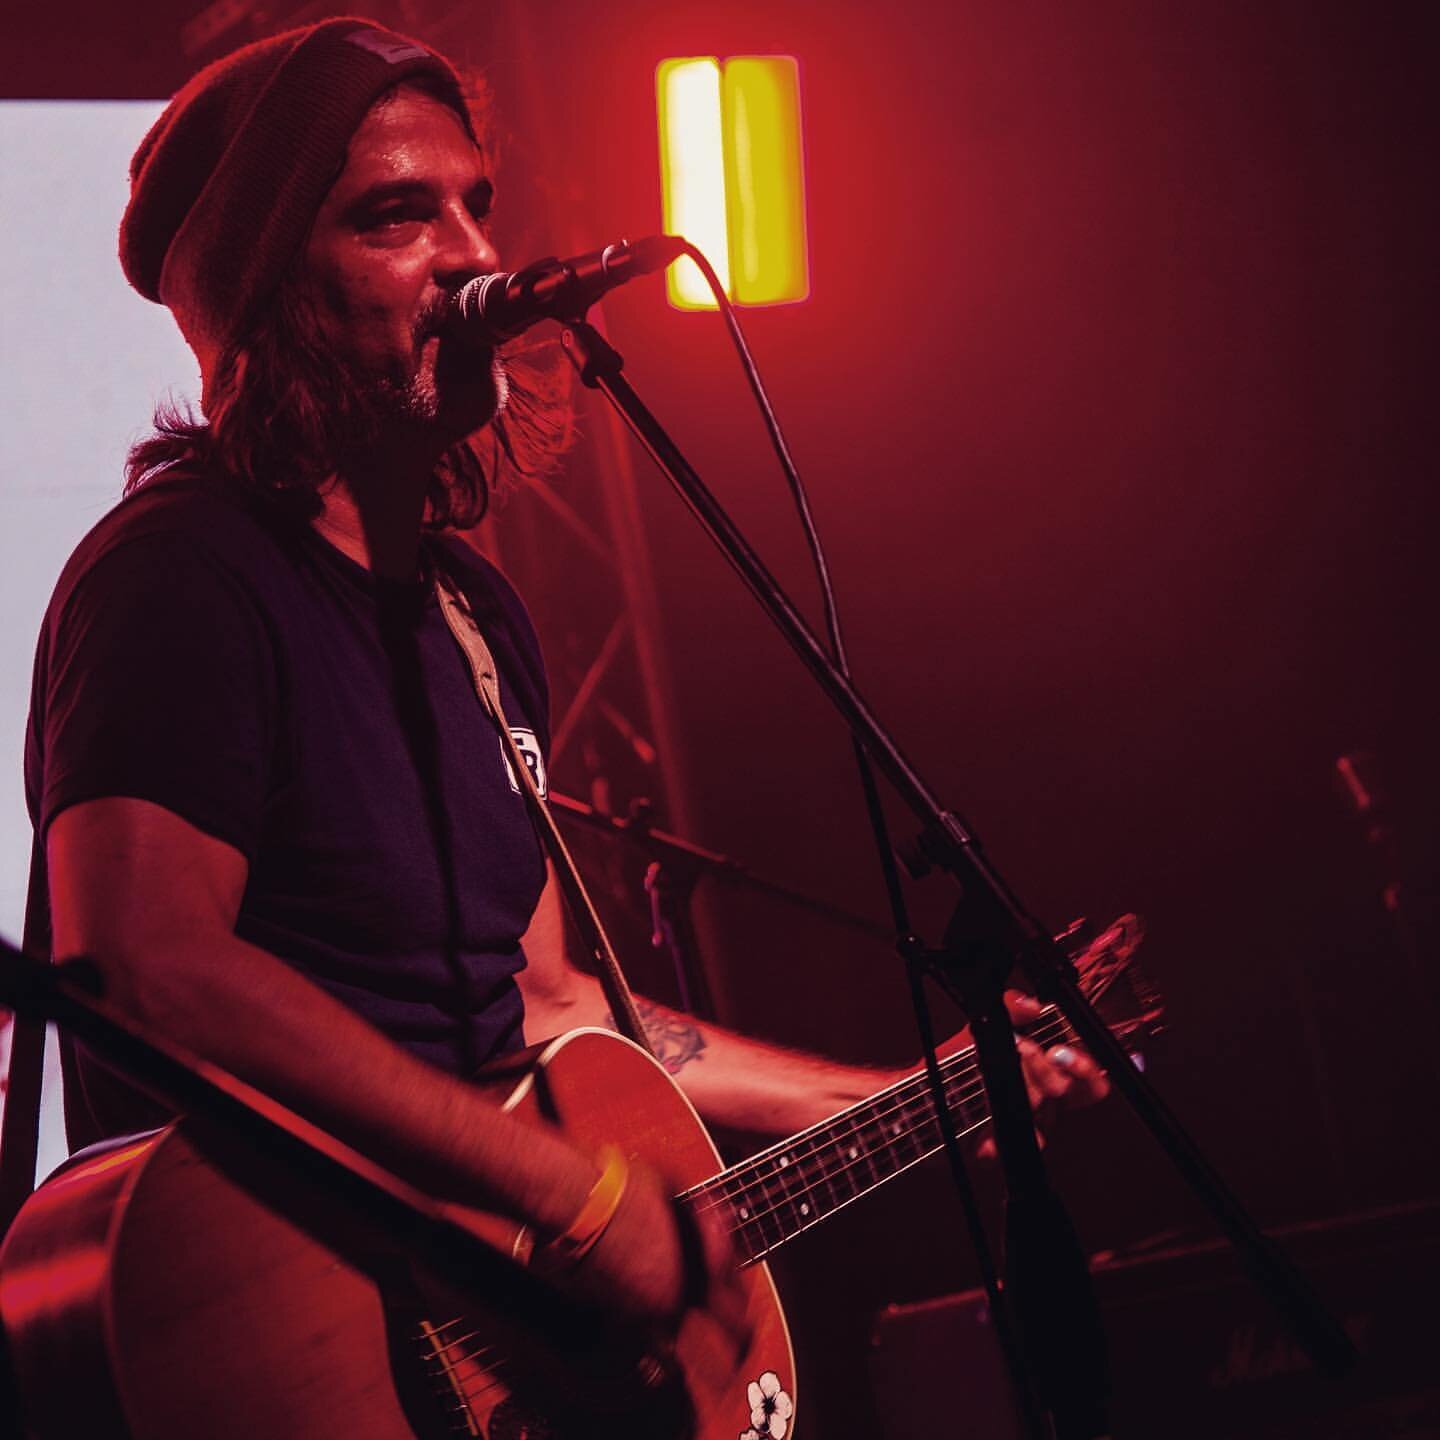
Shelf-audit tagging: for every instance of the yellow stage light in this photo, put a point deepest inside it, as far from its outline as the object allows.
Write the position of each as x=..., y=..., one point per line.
x=733, y=176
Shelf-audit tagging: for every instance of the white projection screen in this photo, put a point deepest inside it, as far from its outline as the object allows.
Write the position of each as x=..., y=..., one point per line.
x=83, y=360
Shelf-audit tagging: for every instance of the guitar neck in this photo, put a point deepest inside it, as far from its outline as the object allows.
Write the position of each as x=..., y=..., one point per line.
x=775, y=1195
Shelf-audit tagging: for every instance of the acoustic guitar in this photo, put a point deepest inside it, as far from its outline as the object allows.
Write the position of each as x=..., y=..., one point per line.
x=185, y=1284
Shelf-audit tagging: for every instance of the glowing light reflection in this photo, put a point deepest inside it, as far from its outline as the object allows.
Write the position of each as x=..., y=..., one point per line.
x=692, y=161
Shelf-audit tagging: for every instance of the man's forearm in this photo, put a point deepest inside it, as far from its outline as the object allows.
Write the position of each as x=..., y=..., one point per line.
x=255, y=1016
x=732, y=1080
x=748, y=1084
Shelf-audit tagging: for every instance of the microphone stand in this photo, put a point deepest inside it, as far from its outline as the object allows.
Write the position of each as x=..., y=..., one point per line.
x=674, y=868
x=992, y=931
x=695, y=860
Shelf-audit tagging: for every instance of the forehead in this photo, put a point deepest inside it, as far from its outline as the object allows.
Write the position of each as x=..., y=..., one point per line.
x=408, y=135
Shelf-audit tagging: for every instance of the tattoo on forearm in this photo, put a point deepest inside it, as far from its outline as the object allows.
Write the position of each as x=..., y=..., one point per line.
x=675, y=1039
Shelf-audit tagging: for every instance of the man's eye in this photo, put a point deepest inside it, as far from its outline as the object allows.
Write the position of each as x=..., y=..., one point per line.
x=482, y=201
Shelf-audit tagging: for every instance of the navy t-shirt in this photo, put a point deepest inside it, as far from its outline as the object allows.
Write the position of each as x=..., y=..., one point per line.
x=240, y=671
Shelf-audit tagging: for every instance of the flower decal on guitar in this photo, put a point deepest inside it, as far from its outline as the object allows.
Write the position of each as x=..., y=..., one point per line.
x=770, y=1409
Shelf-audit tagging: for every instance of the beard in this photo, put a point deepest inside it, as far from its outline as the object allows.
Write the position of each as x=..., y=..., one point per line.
x=443, y=395
x=303, y=408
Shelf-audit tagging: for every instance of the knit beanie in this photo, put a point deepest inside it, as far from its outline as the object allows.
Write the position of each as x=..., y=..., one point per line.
x=226, y=185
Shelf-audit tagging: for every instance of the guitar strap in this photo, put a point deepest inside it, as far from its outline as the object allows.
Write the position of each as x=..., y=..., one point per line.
x=20, y=1135
x=460, y=618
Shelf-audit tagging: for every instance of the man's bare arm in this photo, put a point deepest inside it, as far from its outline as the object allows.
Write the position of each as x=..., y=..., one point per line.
x=733, y=1080
x=153, y=902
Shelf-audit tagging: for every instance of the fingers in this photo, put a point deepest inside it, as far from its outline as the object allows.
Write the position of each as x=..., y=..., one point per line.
x=1023, y=1008
x=1087, y=1080
x=1044, y=1079
x=725, y=1298
x=1061, y=1075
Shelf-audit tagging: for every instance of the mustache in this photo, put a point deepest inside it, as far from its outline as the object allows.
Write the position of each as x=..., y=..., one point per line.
x=431, y=319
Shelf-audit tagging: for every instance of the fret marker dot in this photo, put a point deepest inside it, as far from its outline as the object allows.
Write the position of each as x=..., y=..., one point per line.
x=894, y=1129
x=784, y=1160
x=744, y=1213
x=853, y=1153
x=804, y=1208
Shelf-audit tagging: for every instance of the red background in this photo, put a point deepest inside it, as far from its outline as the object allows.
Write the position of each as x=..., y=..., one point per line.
x=1114, y=398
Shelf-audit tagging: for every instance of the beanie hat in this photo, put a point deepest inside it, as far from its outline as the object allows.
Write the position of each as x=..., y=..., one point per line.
x=226, y=185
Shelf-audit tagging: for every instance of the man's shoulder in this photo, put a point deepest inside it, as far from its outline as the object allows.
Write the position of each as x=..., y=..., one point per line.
x=176, y=519
x=179, y=506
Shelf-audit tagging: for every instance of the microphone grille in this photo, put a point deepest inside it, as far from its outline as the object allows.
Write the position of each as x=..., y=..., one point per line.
x=469, y=302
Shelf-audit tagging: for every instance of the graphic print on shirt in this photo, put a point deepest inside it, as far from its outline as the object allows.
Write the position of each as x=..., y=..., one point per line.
x=529, y=748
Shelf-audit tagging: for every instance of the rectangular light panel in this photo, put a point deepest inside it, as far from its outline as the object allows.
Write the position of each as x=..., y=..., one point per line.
x=733, y=175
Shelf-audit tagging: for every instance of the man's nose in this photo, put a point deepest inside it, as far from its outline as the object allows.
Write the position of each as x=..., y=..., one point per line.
x=466, y=249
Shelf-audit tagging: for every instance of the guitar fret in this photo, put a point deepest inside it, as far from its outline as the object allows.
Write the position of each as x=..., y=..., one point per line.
x=781, y=1193
x=782, y=1188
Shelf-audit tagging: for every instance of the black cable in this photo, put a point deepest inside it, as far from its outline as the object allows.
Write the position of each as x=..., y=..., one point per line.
x=906, y=942
x=878, y=825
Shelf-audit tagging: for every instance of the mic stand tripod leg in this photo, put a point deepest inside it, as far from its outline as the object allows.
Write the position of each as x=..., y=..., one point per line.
x=1032, y=1421
x=1047, y=1280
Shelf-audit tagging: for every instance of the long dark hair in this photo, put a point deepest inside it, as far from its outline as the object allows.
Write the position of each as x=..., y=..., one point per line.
x=282, y=415
x=282, y=412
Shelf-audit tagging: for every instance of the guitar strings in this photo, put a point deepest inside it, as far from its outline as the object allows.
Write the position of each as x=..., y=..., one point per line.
x=756, y=1227
x=437, y=1352
x=961, y=1090
x=777, y=1197
x=785, y=1196
x=910, y=1100
x=753, y=1252
x=490, y=1366
x=901, y=1098
x=958, y=1069
x=429, y=1329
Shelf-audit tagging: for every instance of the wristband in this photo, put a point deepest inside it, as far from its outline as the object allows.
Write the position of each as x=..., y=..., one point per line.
x=579, y=1237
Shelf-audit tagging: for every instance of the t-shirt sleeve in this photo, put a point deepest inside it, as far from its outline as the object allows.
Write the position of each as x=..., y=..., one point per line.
x=159, y=684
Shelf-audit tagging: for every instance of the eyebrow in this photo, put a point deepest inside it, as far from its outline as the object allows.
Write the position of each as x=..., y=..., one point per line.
x=480, y=194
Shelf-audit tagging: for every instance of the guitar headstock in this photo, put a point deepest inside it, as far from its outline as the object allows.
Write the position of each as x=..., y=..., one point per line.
x=1113, y=982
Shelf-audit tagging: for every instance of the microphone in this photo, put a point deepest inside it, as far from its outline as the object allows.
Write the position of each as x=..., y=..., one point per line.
x=492, y=308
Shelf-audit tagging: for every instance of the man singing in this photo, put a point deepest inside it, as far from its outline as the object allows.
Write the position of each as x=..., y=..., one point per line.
x=271, y=807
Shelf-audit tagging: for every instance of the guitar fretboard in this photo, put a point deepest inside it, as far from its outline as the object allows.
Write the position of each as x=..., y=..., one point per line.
x=783, y=1191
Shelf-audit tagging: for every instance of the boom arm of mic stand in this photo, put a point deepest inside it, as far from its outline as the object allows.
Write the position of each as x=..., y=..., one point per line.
x=661, y=844
x=953, y=846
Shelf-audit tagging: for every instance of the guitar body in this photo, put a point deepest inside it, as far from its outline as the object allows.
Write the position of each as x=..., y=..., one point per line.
x=172, y=1286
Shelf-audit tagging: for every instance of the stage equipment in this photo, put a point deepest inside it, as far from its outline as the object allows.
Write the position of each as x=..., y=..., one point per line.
x=1194, y=1353
x=1061, y=1386
x=733, y=176
x=675, y=868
